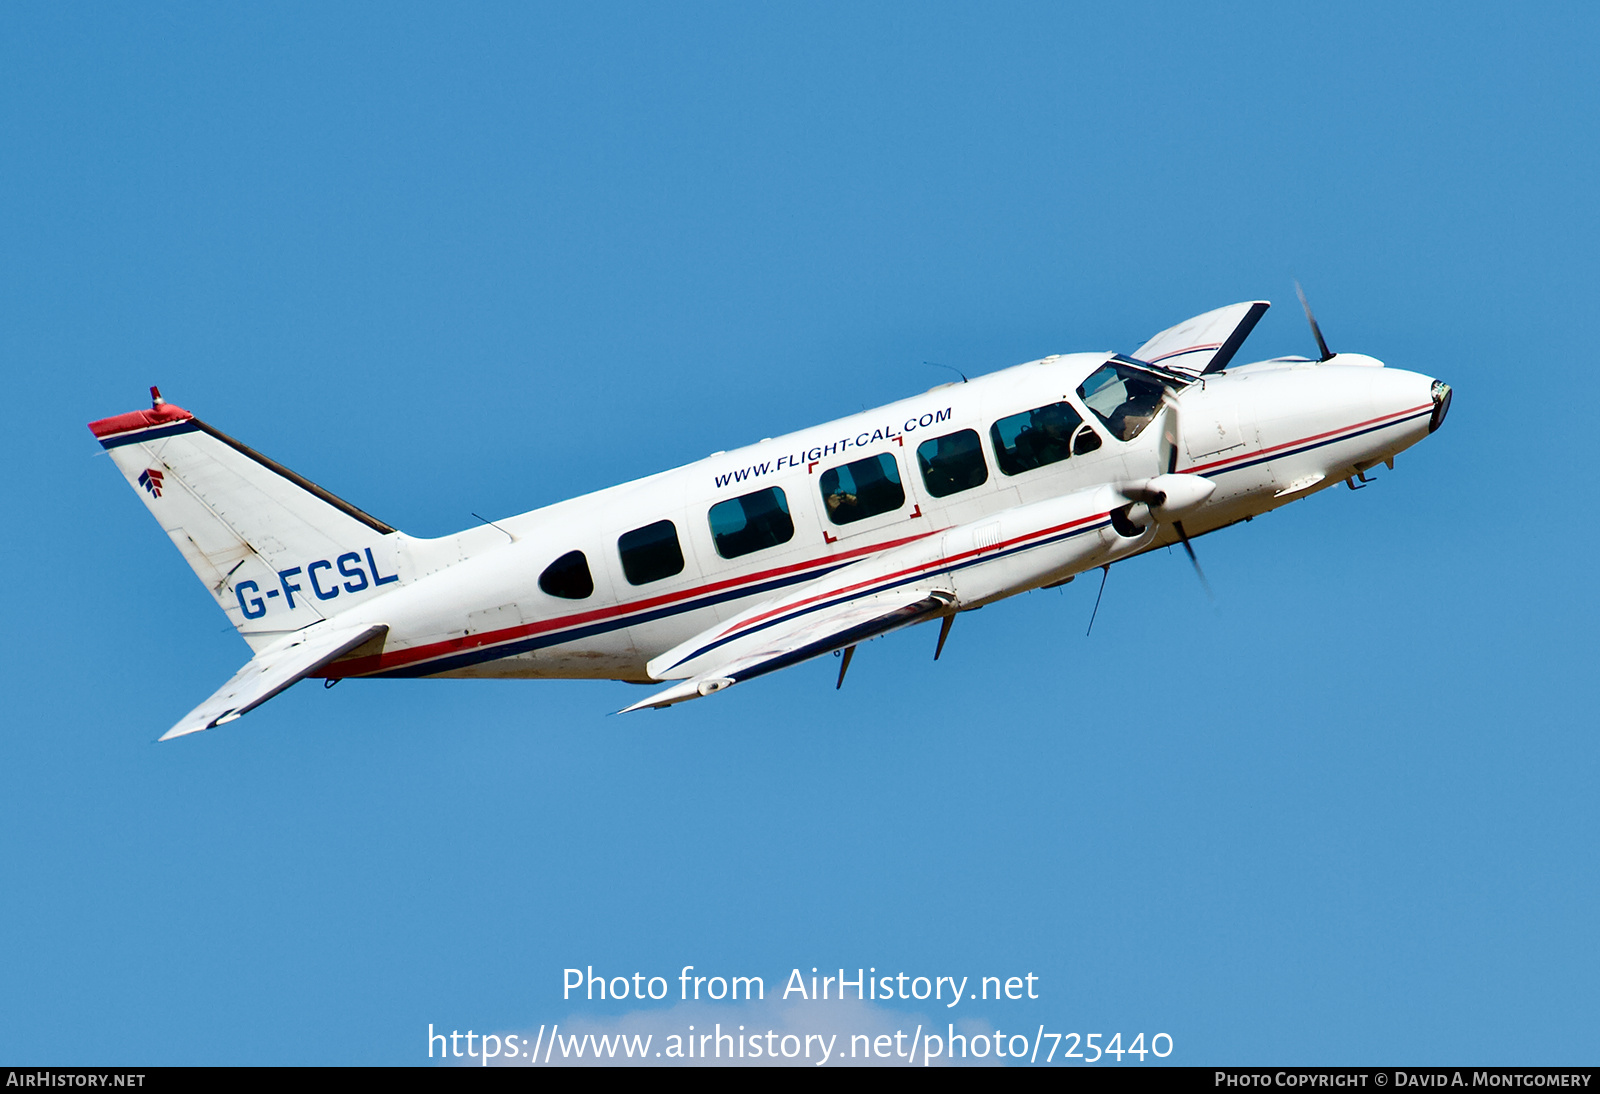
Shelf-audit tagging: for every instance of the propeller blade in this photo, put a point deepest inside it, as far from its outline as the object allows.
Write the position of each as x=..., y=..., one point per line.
x=1169, y=437
x=1322, y=343
x=1183, y=537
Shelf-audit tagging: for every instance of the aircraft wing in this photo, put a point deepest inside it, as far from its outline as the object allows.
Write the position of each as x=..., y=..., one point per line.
x=272, y=670
x=818, y=619
x=1205, y=343
x=958, y=568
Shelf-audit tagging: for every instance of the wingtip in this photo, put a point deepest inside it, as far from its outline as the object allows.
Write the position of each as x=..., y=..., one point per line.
x=681, y=692
x=655, y=702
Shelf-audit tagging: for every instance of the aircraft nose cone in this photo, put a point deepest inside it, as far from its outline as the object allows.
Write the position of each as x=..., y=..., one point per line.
x=1441, y=404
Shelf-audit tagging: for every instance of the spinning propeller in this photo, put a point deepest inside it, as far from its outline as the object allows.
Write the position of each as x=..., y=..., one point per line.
x=1316, y=331
x=1170, y=495
x=1156, y=498
x=1172, y=466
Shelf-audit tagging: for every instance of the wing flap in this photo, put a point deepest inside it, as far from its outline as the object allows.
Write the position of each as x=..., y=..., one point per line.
x=1206, y=343
x=810, y=635
x=272, y=670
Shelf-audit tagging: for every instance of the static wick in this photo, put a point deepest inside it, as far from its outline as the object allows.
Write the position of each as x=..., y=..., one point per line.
x=952, y=368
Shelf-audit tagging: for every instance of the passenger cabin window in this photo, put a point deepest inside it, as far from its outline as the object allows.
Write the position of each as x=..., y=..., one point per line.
x=1124, y=398
x=650, y=553
x=952, y=463
x=862, y=489
x=1039, y=437
x=568, y=577
x=751, y=523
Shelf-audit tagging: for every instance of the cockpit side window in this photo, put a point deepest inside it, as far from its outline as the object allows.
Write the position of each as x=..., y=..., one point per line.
x=1124, y=398
x=752, y=522
x=568, y=577
x=952, y=463
x=650, y=553
x=1038, y=437
x=862, y=489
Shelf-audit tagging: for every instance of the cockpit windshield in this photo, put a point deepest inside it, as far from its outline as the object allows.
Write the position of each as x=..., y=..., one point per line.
x=1123, y=397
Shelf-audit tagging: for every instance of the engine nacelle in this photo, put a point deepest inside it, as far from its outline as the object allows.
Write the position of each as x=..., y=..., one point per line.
x=1037, y=544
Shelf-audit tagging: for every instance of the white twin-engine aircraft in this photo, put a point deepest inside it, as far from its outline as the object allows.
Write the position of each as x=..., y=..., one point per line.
x=749, y=561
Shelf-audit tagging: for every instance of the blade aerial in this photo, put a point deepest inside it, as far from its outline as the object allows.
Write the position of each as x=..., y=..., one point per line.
x=1183, y=537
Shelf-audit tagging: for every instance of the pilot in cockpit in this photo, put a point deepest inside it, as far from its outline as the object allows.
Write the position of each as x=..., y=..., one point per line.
x=1138, y=407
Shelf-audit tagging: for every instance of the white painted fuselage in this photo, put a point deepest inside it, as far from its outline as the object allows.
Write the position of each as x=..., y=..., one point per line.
x=471, y=604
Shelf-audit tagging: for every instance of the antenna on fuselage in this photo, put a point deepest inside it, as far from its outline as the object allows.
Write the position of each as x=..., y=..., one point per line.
x=952, y=368
x=495, y=526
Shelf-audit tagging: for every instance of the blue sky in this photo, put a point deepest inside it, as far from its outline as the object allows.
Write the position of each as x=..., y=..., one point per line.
x=443, y=260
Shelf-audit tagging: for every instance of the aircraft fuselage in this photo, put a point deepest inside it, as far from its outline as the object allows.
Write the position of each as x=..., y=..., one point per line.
x=473, y=604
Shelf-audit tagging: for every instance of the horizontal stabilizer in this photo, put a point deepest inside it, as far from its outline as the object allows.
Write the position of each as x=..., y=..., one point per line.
x=272, y=670
x=1205, y=343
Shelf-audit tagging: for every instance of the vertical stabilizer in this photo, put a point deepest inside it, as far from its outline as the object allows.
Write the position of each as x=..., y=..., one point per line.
x=277, y=552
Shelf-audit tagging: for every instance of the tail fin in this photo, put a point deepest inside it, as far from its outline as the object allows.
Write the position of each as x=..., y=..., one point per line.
x=278, y=552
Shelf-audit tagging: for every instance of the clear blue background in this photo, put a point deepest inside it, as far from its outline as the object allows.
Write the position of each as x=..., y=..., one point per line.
x=444, y=259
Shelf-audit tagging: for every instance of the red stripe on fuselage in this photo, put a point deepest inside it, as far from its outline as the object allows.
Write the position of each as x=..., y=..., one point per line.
x=1199, y=469
x=361, y=666
x=942, y=562
x=936, y=563
x=399, y=658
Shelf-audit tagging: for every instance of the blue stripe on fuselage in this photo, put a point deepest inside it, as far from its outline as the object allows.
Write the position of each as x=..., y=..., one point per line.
x=484, y=654
x=1317, y=444
x=891, y=585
